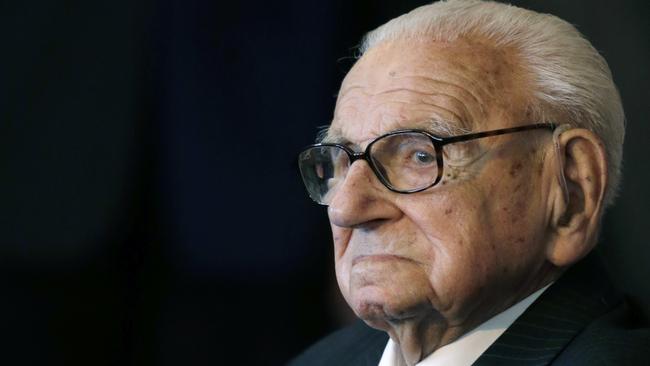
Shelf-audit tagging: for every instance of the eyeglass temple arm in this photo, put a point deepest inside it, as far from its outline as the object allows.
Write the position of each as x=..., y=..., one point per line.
x=560, y=159
x=477, y=135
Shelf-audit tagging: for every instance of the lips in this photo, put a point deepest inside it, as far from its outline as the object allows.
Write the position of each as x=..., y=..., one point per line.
x=378, y=258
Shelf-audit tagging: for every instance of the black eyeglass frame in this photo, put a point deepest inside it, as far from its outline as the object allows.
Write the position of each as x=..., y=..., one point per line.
x=438, y=143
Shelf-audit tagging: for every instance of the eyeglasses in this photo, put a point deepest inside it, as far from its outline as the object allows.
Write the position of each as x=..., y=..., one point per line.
x=405, y=161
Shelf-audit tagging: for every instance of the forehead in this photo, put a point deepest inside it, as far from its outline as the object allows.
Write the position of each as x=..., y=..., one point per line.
x=430, y=85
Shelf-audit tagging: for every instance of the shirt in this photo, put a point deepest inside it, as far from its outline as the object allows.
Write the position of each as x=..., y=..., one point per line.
x=469, y=347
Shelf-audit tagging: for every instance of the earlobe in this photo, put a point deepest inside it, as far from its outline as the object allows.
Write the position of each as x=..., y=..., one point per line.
x=575, y=223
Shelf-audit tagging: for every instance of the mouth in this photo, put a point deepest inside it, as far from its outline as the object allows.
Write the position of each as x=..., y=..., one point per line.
x=378, y=258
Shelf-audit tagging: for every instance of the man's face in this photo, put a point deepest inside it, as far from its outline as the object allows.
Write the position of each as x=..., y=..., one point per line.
x=468, y=246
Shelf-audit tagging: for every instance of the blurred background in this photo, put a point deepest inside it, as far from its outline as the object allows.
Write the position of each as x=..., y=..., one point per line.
x=151, y=211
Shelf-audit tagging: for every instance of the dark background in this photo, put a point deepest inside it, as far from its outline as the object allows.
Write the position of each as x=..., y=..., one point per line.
x=151, y=212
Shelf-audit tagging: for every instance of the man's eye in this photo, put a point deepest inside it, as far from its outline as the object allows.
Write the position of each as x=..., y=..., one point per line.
x=422, y=157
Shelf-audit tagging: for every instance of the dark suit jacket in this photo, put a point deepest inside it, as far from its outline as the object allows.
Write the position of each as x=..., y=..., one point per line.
x=579, y=320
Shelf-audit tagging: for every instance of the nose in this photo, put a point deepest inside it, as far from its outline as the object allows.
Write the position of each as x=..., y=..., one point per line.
x=361, y=199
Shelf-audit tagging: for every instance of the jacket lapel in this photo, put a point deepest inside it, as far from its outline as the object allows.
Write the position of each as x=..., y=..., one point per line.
x=581, y=295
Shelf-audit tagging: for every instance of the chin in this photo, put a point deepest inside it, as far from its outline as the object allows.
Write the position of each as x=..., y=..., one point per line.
x=372, y=313
x=369, y=302
x=378, y=305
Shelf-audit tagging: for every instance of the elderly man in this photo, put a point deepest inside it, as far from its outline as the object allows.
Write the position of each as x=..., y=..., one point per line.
x=473, y=150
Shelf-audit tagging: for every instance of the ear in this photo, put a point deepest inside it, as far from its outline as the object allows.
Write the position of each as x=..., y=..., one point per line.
x=575, y=223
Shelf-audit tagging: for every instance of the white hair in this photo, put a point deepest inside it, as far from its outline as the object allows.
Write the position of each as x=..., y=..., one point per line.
x=571, y=80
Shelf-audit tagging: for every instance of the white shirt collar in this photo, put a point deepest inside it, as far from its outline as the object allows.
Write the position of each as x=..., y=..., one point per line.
x=469, y=347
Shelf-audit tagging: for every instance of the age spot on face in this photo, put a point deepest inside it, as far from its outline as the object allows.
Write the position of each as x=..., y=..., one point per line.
x=516, y=167
x=529, y=113
x=520, y=207
x=452, y=174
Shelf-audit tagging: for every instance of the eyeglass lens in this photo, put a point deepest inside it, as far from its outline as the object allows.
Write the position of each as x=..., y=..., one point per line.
x=405, y=162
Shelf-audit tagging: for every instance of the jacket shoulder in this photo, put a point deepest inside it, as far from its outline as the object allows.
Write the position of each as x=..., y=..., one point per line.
x=618, y=338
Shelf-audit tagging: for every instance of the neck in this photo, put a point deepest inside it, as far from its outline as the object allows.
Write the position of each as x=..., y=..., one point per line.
x=419, y=336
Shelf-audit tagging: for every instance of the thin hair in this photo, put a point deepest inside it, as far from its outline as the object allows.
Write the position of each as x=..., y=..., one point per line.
x=572, y=82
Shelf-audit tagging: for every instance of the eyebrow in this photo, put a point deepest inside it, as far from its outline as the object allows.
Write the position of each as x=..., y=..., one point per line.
x=328, y=135
x=434, y=126
x=443, y=128
x=331, y=136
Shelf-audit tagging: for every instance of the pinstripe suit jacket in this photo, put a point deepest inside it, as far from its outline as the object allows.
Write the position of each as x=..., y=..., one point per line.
x=579, y=320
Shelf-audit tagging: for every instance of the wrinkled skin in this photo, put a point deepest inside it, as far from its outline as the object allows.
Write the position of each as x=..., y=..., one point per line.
x=430, y=266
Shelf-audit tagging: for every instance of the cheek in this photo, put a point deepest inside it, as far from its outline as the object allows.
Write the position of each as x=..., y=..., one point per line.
x=517, y=215
x=519, y=204
x=475, y=232
x=448, y=215
x=460, y=240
